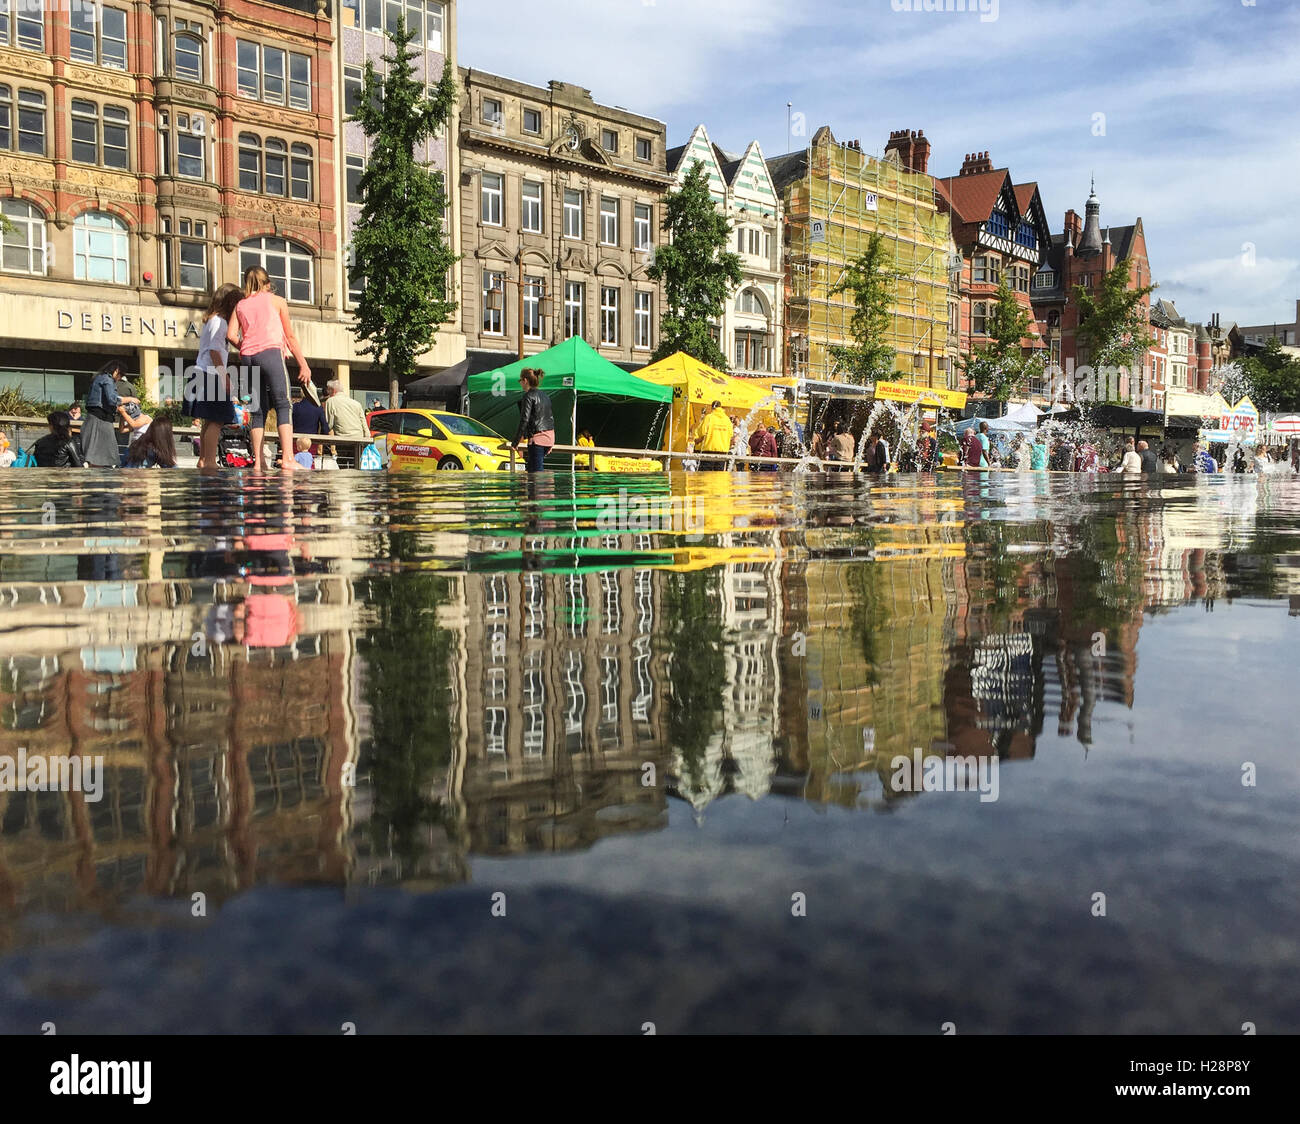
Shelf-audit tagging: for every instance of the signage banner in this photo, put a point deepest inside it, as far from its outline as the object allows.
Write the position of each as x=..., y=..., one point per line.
x=1239, y=423
x=869, y=201
x=904, y=392
x=817, y=231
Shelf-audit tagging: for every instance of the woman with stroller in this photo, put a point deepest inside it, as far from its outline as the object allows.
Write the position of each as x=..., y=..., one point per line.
x=212, y=399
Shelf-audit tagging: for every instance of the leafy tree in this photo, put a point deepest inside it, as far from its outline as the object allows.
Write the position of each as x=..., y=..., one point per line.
x=999, y=367
x=698, y=271
x=869, y=357
x=1113, y=323
x=1273, y=378
x=398, y=248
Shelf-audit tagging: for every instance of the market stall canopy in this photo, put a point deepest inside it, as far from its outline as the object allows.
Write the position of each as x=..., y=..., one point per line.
x=621, y=409
x=1026, y=414
x=695, y=386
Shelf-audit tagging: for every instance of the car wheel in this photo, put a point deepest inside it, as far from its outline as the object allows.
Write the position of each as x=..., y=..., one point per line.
x=449, y=463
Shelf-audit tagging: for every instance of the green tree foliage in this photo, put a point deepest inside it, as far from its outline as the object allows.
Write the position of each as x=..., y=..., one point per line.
x=698, y=271
x=1273, y=379
x=398, y=248
x=1113, y=324
x=999, y=367
x=869, y=357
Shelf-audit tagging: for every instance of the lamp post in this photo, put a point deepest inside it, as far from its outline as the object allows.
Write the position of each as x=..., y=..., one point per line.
x=496, y=301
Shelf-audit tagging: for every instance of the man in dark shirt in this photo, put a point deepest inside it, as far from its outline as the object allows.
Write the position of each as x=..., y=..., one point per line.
x=1148, y=458
x=307, y=416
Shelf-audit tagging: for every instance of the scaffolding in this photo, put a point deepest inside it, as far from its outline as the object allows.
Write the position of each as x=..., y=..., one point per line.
x=851, y=195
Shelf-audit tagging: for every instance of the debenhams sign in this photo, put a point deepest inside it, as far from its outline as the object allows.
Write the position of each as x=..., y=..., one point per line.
x=126, y=324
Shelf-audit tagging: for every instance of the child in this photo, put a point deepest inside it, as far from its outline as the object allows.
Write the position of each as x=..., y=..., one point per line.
x=303, y=455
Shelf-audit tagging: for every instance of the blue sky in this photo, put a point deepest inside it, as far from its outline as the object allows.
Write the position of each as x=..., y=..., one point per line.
x=1200, y=97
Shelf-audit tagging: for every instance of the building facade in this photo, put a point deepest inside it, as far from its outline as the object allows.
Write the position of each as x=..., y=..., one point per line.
x=1000, y=230
x=750, y=334
x=560, y=202
x=834, y=197
x=152, y=153
x=1081, y=256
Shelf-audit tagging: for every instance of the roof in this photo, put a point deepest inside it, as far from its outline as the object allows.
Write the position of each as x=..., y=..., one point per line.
x=972, y=197
x=784, y=170
x=1121, y=240
x=1025, y=194
x=728, y=163
x=1165, y=315
x=674, y=156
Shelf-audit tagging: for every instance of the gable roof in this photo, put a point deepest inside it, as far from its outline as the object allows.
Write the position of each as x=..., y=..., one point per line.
x=972, y=197
x=784, y=170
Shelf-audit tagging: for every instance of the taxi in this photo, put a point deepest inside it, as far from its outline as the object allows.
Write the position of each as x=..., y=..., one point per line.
x=438, y=439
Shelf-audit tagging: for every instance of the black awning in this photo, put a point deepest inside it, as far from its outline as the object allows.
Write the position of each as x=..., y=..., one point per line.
x=1183, y=421
x=450, y=381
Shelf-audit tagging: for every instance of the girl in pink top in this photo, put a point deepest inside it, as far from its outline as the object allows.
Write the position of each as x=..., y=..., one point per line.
x=264, y=333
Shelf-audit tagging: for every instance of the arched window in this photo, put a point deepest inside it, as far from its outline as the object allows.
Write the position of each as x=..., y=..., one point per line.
x=24, y=243
x=271, y=167
x=100, y=248
x=290, y=266
x=750, y=301
x=187, y=55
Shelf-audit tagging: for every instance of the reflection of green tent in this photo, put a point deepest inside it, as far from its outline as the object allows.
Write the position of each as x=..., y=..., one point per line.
x=621, y=410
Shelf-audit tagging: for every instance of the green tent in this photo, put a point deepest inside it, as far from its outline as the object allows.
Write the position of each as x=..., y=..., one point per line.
x=621, y=410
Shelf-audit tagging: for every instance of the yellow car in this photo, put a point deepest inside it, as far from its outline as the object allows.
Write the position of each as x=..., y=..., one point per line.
x=437, y=439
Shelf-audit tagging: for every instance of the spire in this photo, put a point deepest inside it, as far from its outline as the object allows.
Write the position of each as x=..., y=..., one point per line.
x=1090, y=242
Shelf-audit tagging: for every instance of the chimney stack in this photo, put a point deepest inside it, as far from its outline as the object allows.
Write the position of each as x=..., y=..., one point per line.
x=975, y=163
x=912, y=148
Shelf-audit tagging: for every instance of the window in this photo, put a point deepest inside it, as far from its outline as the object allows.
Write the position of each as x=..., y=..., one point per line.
x=608, y=221
x=752, y=351
x=574, y=297
x=190, y=145
x=609, y=140
x=289, y=265
x=572, y=214
x=979, y=318
x=374, y=15
x=644, y=148
x=250, y=162
x=530, y=207
x=493, y=303
x=532, y=121
x=433, y=16
x=1086, y=280
x=492, y=112
x=92, y=144
x=641, y=226
x=24, y=243
x=750, y=302
x=275, y=166
x=987, y=268
x=1044, y=279
x=641, y=320
x=490, y=199
x=272, y=75
x=187, y=51
x=352, y=80
x=609, y=315
x=751, y=241
x=30, y=135
x=1026, y=235
x=999, y=225
x=98, y=33
x=22, y=24
x=300, y=172
x=271, y=167
x=185, y=257
x=533, y=308
x=100, y=248
x=1020, y=278
x=356, y=166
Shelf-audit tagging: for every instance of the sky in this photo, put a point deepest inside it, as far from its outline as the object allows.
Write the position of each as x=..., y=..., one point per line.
x=1184, y=110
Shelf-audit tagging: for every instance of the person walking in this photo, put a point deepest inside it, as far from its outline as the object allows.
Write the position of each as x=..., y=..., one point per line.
x=1038, y=454
x=214, y=397
x=1150, y=466
x=57, y=449
x=104, y=407
x=714, y=435
x=155, y=449
x=876, y=460
x=264, y=335
x=1130, y=462
x=536, y=419
x=344, y=417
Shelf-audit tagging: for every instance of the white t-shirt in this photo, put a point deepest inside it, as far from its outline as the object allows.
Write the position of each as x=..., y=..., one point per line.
x=213, y=345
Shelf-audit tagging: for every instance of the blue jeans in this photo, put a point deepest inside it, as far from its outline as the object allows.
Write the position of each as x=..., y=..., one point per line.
x=534, y=456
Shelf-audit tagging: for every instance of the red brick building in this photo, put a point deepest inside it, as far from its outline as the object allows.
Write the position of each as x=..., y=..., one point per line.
x=1081, y=256
x=1001, y=230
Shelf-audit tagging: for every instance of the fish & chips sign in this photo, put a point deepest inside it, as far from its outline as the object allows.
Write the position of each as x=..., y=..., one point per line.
x=1238, y=423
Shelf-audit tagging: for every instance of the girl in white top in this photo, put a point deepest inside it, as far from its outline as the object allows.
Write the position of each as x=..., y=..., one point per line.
x=212, y=400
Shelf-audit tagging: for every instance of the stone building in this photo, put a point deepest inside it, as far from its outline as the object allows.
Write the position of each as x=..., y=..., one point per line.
x=750, y=335
x=560, y=202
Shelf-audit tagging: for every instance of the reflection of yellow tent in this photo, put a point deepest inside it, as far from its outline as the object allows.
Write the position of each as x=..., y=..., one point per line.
x=696, y=386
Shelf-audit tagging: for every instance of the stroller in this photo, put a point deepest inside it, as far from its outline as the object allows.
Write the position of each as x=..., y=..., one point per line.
x=234, y=450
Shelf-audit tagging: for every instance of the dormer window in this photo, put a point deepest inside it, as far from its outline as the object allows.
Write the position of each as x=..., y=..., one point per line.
x=1045, y=279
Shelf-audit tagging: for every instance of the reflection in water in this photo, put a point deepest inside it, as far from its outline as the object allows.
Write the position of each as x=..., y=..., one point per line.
x=361, y=681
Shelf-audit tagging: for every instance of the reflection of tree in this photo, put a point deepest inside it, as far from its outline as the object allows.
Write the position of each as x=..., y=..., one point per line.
x=407, y=658
x=696, y=666
x=869, y=614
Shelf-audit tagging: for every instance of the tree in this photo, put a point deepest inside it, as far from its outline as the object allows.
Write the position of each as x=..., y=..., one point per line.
x=1273, y=379
x=998, y=367
x=398, y=249
x=1113, y=322
x=698, y=271
x=869, y=357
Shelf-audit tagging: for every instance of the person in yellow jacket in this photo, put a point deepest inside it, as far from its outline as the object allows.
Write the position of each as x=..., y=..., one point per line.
x=586, y=441
x=713, y=435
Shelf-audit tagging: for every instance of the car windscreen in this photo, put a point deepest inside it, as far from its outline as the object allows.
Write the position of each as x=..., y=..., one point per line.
x=466, y=427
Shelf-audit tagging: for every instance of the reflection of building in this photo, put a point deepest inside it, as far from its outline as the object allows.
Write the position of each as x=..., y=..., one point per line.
x=750, y=335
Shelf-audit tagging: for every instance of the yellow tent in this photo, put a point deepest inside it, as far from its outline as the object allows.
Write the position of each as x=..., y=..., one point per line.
x=696, y=386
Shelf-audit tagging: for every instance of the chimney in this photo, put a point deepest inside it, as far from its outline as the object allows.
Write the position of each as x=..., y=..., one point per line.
x=921, y=163
x=912, y=148
x=975, y=163
x=1073, y=224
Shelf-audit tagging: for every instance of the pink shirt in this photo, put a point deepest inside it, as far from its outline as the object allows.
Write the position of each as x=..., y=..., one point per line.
x=259, y=324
